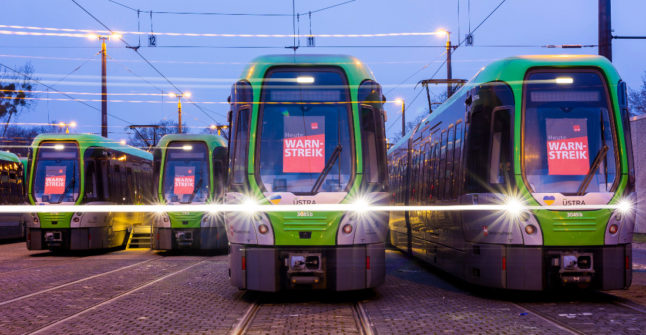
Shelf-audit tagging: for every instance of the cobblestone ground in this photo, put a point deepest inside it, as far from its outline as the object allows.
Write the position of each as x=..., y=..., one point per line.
x=307, y=313
x=144, y=292
x=415, y=301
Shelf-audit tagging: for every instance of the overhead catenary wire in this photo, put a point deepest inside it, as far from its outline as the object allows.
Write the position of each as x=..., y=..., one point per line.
x=55, y=90
x=228, y=14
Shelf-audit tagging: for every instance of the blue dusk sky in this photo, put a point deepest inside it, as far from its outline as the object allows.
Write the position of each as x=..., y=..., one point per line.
x=207, y=66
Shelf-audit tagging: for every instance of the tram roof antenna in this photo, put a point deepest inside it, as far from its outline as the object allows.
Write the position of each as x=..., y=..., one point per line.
x=426, y=82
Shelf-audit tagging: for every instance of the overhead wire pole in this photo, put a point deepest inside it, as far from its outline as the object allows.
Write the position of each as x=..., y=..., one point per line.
x=605, y=29
x=104, y=89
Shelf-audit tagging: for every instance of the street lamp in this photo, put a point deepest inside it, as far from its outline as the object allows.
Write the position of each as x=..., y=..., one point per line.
x=104, y=83
x=401, y=102
x=67, y=126
x=179, y=97
x=219, y=128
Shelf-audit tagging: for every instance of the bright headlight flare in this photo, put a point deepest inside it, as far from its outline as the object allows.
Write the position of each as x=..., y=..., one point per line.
x=625, y=206
x=360, y=205
x=250, y=206
x=514, y=207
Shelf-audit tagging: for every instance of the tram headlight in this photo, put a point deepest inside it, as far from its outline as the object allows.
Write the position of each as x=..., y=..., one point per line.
x=360, y=205
x=530, y=229
x=514, y=207
x=624, y=206
x=250, y=206
x=613, y=229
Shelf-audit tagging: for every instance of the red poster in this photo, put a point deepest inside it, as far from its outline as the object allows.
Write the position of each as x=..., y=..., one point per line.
x=55, y=180
x=304, y=144
x=567, y=146
x=184, y=180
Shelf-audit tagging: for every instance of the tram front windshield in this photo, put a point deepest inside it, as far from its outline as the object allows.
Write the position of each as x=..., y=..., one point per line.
x=305, y=144
x=186, y=173
x=56, y=178
x=569, y=146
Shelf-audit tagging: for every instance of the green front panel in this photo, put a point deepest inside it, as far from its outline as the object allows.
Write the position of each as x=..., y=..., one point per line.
x=322, y=225
x=62, y=220
x=185, y=220
x=560, y=230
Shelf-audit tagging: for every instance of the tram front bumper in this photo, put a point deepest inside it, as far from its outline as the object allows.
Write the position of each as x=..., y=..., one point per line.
x=204, y=238
x=271, y=269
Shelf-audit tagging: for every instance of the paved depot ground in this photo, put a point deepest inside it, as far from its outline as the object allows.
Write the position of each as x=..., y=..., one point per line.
x=144, y=292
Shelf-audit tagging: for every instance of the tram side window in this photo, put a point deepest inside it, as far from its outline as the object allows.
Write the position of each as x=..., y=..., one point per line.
x=373, y=133
x=448, y=186
x=219, y=172
x=457, y=160
x=500, y=163
x=442, y=168
x=241, y=98
x=484, y=145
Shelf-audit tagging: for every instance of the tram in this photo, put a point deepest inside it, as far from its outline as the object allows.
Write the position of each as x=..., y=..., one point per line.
x=85, y=170
x=543, y=136
x=306, y=130
x=190, y=169
x=12, y=192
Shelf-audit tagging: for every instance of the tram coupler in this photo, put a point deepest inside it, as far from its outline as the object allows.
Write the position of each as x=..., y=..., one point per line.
x=184, y=238
x=305, y=269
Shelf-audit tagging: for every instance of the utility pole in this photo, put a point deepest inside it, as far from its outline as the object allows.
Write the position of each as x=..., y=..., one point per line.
x=104, y=88
x=104, y=81
x=605, y=29
x=401, y=102
x=449, y=70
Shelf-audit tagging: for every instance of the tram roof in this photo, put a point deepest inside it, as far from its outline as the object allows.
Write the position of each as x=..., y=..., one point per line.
x=9, y=156
x=512, y=70
x=211, y=140
x=90, y=140
x=354, y=68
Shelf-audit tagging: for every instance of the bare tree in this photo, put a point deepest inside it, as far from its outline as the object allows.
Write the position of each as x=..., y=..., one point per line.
x=15, y=91
x=144, y=137
x=637, y=99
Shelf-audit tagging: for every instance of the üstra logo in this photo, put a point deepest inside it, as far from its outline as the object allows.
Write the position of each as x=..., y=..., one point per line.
x=549, y=199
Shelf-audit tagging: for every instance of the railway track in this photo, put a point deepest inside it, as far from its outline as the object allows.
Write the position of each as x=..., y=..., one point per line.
x=72, y=283
x=51, y=326
x=251, y=319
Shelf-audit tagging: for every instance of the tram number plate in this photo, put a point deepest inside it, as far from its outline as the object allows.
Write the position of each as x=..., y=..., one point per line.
x=304, y=214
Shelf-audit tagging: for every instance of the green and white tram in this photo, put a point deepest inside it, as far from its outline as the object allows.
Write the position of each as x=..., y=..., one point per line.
x=306, y=130
x=548, y=137
x=190, y=169
x=85, y=170
x=12, y=192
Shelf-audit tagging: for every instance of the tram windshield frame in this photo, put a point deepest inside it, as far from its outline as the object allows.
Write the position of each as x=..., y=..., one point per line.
x=191, y=160
x=569, y=140
x=57, y=168
x=305, y=143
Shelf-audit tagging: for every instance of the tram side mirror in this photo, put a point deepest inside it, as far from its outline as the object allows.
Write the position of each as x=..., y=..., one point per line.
x=229, y=114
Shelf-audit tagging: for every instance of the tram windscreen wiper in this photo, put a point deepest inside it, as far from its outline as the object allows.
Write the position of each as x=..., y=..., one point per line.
x=595, y=165
x=328, y=166
x=198, y=186
x=60, y=199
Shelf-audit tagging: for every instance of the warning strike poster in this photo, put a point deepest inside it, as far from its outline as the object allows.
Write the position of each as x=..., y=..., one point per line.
x=55, y=179
x=567, y=146
x=304, y=144
x=184, y=180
